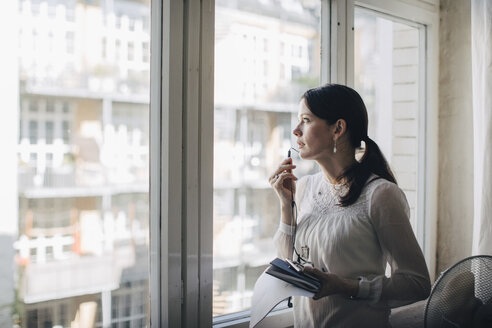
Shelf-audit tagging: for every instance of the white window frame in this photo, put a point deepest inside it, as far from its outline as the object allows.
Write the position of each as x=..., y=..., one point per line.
x=181, y=163
x=424, y=13
x=181, y=147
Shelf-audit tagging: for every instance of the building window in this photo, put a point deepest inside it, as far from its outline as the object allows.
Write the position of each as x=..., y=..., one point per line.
x=131, y=51
x=146, y=23
x=117, y=50
x=33, y=132
x=65, y=107
x=69, y=41
x=66, y=132
x=117, y=21
x=103, y=47
x=51, y=10
x=145, y=52
x=33, y=105
x=35, y=8
x=70, y=14
x=50, y=106
x=49, y=131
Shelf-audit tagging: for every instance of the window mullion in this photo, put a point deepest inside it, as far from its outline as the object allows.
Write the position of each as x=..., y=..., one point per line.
x=338, y=42
x=326, y=31
x=191, y=192
x=198, y=163
x=206, y=150
x=155, y=291
x=349, y=43
x=166, y=163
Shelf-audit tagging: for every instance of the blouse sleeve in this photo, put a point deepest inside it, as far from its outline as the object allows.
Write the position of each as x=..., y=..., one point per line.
x=409, y=281
x=283, y=236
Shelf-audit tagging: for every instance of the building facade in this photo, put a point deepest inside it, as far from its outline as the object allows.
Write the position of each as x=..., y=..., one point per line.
x=83, y=156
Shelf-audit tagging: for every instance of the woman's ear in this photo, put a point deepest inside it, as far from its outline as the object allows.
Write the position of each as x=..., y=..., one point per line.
x=340, y=128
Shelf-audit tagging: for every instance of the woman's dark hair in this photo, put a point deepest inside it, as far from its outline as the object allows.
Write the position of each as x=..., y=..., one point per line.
x=332, y=102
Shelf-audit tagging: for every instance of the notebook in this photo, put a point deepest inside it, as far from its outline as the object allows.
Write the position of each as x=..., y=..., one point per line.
x=284, y=271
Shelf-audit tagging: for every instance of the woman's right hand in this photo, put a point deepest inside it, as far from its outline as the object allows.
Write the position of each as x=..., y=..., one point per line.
x=282, y=181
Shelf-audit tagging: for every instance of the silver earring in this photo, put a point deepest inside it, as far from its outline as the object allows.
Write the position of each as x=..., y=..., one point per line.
x=335, y=147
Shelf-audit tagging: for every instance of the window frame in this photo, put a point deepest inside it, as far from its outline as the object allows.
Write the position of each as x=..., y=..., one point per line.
x=426, y=14
x=181, y=135
x=181, y=146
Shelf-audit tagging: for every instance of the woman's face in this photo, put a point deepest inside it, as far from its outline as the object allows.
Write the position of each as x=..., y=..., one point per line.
x=314, y=135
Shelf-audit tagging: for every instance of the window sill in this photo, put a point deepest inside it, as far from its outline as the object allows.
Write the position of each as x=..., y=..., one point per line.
x=280, y=317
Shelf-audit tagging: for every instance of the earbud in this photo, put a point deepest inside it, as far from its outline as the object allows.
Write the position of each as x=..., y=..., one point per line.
x=289, y=153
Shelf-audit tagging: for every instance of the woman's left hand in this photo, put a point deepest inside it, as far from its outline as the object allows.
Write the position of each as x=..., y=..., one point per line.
x=332, y=284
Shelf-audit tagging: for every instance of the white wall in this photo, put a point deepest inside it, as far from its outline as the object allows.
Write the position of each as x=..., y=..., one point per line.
x=455, y=212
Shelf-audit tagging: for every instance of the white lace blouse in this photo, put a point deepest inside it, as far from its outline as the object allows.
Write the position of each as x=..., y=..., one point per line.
x=356, y=242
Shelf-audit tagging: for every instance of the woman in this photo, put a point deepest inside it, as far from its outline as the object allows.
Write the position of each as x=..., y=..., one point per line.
x=348, y=221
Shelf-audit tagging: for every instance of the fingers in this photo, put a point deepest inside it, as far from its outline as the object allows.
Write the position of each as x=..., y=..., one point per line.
x=313, y=272
x=288, y=160
x=281, y=177
x=283, y=168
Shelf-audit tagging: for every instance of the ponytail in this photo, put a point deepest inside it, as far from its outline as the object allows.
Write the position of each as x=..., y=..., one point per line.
x=372, y=162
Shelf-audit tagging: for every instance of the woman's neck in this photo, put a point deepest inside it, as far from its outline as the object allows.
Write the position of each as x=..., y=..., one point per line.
x=334, y=166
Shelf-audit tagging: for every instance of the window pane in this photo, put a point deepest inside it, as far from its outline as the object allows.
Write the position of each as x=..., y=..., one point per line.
x=82, y=211
x=387, y=75
x=266, y=56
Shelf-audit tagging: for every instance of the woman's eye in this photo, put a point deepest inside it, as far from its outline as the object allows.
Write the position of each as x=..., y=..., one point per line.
x=305, y=119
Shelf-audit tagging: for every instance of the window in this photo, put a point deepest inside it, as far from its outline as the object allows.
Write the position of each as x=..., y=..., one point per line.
x=117, y=50
x=33, y=132
x=49, y=132
x=256, y=106
x=70, y=14
x=33, y=106
x=51, y=10
x=118, y=19
x=388, y=62
x=50, y=106
x=104, y=44
x=241, y=206
x=65, y=132
x=78, y=216
x=131, y=50
x=70, y=42
x=145, y=52
x=35, y=7
x=65, y=107
x=100, y=204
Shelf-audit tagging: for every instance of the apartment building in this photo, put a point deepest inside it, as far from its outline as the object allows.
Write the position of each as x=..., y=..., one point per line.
x=82, y=247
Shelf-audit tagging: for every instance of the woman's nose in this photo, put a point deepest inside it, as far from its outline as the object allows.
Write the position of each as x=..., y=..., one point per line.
x=297, y=132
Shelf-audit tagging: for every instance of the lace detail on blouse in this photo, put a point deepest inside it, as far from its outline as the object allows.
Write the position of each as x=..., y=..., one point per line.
x=326, y=197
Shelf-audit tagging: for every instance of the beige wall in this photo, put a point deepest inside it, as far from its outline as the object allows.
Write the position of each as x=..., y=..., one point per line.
x=455, y=211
